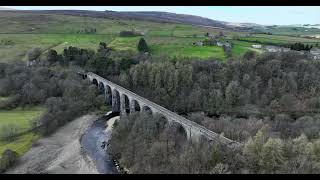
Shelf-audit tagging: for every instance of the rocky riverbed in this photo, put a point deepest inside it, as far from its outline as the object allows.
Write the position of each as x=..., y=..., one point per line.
x=95, y=144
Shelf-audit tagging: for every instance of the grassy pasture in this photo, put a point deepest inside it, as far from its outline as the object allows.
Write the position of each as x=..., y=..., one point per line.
x=21, y=145
x=156, y=40
x=28, y=22
x=19, y=116
x=241, y=47
x=88, y=41
x=280, y=39
x=22, y=118
x=26, y=30
x=24, y=42
x=294, y=31
x=125, y=43
x=287, y=38
x=175, y=50
x=160, y=33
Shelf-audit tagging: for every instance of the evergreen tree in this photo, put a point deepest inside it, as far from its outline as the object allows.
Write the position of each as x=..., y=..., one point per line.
x=272, y=155
x=52, y=56
x=307, y=48
x=142, y=45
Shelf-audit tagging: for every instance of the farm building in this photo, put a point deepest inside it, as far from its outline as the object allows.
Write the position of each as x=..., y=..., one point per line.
x=212, y=36
x=285, y=49
x=210, y=42
x=315, y=52
x=223, y=44
x=257, y=46
x=276, y=49
x=198, y=43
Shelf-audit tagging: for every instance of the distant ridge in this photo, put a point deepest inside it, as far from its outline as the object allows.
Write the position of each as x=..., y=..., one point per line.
x=153, y=16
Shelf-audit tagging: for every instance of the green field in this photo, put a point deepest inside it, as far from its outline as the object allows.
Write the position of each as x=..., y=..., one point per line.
x=21, y=145
x=293, y=30
x=27, y=30
x=241, y=47
x=171, y=46
x=24, y=42
x=189, y=51
x=22, y=118
x=48, y=31
x=280, y=39
x=125, y=43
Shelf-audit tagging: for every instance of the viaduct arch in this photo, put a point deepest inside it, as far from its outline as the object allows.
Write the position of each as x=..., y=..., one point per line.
x=125, y=102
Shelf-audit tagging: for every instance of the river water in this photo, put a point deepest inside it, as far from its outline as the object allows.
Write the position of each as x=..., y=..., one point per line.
x=92, y=142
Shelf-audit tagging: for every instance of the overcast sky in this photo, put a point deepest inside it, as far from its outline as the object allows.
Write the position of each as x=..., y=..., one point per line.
x=267, y=15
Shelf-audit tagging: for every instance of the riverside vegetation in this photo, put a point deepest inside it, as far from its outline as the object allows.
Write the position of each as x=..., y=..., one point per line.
x=61, y=93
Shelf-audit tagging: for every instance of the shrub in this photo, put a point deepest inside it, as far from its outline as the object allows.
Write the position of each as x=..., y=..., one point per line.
x=197, y=117
x=52, y=56
x=105, y=108
x=314, y=103
x=288, y=102
x=8, y=158
x=307, y=125
x=249, y=55
x=34, y=54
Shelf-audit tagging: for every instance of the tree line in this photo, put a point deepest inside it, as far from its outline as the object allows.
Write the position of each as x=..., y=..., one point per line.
x=148, y=144
x=280, y=88
x=300, y=47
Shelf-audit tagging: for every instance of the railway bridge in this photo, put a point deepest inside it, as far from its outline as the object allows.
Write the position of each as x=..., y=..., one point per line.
x=125, y=101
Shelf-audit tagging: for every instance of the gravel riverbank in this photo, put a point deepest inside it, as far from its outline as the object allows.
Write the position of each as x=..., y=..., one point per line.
x=60, y=153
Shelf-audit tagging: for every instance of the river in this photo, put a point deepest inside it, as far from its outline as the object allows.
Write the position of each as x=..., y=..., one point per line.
x=92, y=142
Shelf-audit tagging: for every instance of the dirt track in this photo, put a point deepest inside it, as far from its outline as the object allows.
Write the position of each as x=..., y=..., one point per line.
x=59, y=153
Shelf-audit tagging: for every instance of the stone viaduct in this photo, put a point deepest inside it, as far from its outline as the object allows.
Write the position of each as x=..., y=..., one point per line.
x=125, y=101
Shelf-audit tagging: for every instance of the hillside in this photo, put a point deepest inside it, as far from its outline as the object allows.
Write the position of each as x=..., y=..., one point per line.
x=153, y=16
x=23, y=30
x=166, y=33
